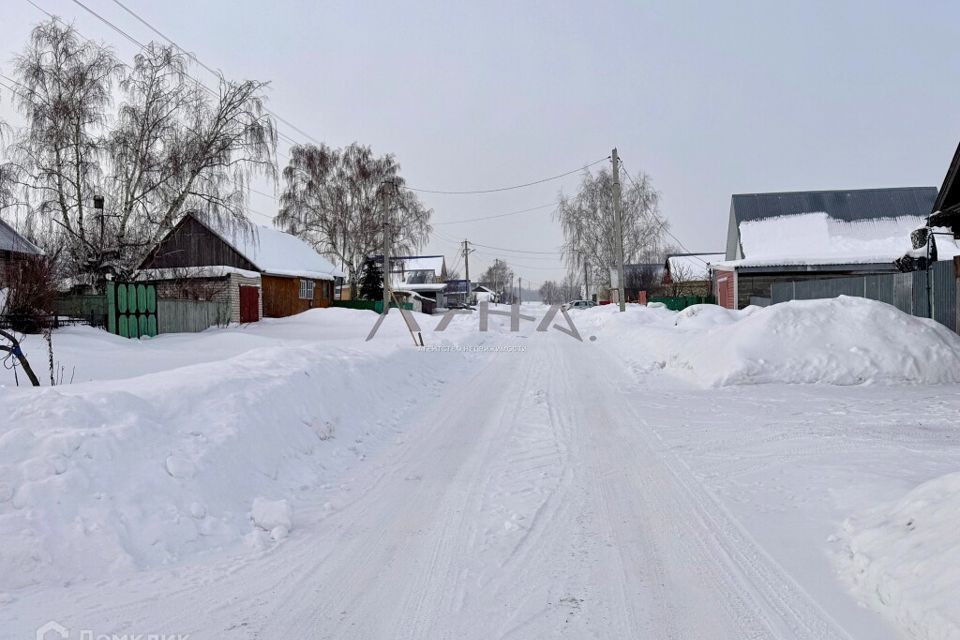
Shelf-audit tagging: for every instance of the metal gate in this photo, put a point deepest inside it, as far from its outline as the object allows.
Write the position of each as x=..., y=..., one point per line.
x=131, y=309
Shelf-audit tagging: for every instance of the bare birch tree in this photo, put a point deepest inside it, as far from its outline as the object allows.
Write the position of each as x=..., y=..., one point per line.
x=589, y=226
x=64, y=92
x=170, y=146
x=497, y=278
x=339, y=201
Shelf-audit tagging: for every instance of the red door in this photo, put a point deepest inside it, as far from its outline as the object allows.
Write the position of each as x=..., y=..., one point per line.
x=249, y=304
x=725, y=289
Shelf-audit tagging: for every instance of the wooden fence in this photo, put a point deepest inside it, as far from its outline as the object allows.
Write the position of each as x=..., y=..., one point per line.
x=190, y=316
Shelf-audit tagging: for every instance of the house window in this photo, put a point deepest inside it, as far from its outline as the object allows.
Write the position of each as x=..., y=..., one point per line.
x=306, y=289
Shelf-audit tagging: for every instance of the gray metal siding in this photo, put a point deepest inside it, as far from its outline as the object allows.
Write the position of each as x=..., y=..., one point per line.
x=906, y=291
x=944, y=294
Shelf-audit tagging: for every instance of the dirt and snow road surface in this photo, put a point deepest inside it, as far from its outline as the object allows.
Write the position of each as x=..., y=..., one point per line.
x=565, y=490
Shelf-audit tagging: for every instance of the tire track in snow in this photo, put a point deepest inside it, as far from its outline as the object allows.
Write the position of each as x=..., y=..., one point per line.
x=786, y=610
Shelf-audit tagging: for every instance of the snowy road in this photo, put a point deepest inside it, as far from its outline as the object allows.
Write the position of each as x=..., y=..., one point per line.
x=536, y=497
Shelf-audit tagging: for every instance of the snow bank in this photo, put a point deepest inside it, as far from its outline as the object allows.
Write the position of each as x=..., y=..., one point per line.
x=903, y=559
x=102, y=478
x=840, y=341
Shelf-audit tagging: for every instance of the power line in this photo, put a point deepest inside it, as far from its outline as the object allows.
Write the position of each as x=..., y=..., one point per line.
x=663, y=222
x=545, y=253
x=501, y=215
x=499, y=189
x=143, y=47
x=202, y=64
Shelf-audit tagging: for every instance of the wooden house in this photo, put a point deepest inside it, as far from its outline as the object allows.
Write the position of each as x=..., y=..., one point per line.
x=258, y=271
x=14, y=249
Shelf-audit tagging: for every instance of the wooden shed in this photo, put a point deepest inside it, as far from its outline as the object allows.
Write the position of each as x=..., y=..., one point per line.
x=14, y=249
x=259, y=271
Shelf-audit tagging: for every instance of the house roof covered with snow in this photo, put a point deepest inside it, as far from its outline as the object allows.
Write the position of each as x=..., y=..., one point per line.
x=692, y=266
x=819, y=239
x=849, y=206
x=418, y=263
x=10, y=240
x=417, y=270
x=859, y=226
x=274, y=252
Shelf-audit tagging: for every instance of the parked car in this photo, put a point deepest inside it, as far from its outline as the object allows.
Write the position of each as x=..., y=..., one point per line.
x=579, y=304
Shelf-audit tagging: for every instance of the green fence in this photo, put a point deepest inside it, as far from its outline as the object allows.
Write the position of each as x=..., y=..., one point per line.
x=679, y=303
x=91, y=308
x=356, y=304
x=371, y=305
x=131, y=309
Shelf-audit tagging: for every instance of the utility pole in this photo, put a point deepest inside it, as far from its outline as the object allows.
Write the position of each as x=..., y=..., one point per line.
x=586, y=281
x=520, y=288
x=466, y=267
x=615, y=159
x=386, y=255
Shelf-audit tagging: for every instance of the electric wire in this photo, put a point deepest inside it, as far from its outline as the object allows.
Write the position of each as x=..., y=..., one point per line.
x=510, y=188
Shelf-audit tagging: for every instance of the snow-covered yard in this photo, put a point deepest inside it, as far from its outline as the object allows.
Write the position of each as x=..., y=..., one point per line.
x=777, y=473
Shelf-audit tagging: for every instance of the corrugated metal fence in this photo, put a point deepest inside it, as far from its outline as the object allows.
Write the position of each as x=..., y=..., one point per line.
x=187, y=316
x=906, y=291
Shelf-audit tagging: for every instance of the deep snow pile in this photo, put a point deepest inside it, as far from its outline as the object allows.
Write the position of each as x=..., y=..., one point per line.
x=839, y=341
x=116, y=475
x=903, y=558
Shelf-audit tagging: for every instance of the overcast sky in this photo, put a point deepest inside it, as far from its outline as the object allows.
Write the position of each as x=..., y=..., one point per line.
x=707, y=98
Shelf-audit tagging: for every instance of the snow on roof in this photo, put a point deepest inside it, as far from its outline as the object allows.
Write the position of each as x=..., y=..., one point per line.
x=175, y=273
x=10, y=240
x=693, y=266
x=818, y=238
x=275, y=252
x=418, y=263
x=423, y=286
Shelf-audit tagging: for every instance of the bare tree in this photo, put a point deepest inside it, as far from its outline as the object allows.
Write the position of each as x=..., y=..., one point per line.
x=681, y=280
x=64, y=92
x=548, y=292
x=570, y=287
x=589, y=224
x=173, y=146
x=339, y=200
x=178, y=146
x=497, y=278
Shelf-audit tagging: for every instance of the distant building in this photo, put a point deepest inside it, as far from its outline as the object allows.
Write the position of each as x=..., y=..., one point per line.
x=639, y=278
x=791, y=236
x=483, y=293
x=424, y=275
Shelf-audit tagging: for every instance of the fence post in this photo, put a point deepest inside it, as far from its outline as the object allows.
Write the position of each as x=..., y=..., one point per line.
x=111, y=294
